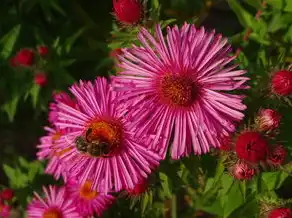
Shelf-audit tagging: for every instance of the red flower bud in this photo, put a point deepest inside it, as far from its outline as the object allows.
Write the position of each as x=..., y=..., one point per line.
x=25, y=57
x=242, y=171
x=7, y=194
x=138, y=189
x=128, y=11
x=281, y=213
x=40, y=79
x=251, y=146
x=269, y=119
x=282, y=83
x=277, y=155
x=43, y=50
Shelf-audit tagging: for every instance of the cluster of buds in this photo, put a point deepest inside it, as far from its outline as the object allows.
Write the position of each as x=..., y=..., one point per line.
x=28, y=58
x=6, y=196
x=250, y=149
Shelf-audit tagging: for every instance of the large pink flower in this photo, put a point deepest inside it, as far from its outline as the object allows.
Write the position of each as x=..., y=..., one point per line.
x=48, y=149
x=55, y=204
x=59, y=97
x=86, y=200
x=182, y=85
x=105, y=150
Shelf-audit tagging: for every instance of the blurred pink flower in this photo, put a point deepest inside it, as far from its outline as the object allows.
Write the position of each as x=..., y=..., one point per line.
x=55, y=204
x=105, y=150
x=4, y=210
x=25, y=57
x=86, y=200
x=182, y=85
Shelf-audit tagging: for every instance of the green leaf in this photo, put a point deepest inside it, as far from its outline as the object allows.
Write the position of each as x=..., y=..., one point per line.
x=144, y=203
x=244, y=17
x=10, y=173
x=232, y=199
x=10, y=107
x=254, y=3
x=155, y=4
x=23, y=163
x=277, y=4
x=166, y=184
x=70, y=41
x=288, y=6
x=273, y=180
x=34, y=93
x=8, y=41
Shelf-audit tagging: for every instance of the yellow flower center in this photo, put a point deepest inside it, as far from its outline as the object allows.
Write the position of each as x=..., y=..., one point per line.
x=86, y=192
x=178, y=90
x=52, y=213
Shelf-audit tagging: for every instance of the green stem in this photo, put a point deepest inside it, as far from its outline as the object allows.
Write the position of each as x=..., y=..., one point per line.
x=173, y=207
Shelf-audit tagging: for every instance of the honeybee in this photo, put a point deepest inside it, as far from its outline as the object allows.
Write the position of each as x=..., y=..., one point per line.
x=95, y=148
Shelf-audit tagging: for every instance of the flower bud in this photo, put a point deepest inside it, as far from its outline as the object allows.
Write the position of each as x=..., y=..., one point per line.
x=242, y=171
x=277, y=155
x=40, y=79
x=25, y=57
x=7, y=194
x=129, y=12
x=282, y=83
x=268, y=119
x=281, y=213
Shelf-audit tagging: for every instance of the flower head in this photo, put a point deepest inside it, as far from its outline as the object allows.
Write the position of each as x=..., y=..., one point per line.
x=55, y=204
x=251, y=146
x=128, y=11
x=4, y=210
x=86, y=200
x=277, y=155
x=7, y=194
x=40, y=79
x=180, y=84
x=105, y=149
x=282, y=83
x=268, y=119
x=48, y=149
x=25, y=57
x=281, y=213
x=43, y=50
x=242, y=171
x=59, y=97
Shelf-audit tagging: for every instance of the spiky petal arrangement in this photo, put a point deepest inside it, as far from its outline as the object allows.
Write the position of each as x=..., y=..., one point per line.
x=55, y=204
x=87, y=201
x=110, y=155
x=180, y=84
x=48, y=150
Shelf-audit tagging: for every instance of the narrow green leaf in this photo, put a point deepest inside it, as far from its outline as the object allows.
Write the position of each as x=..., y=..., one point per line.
x=34, y=93
x=10, y=107
x=71, y=40
x=273, y=180
x=165, y=183
x=155, y=4
x=244, y=17
x=254, y=3
x=10, y=173
x=144, y=203
x=276, y=4
x=8, y=41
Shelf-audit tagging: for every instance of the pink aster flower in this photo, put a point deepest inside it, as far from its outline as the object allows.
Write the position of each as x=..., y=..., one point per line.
x=59, y=97
x=105, y=150
x=48, y=150
x=86, y=200
x=182, y=85
x=55, y=204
